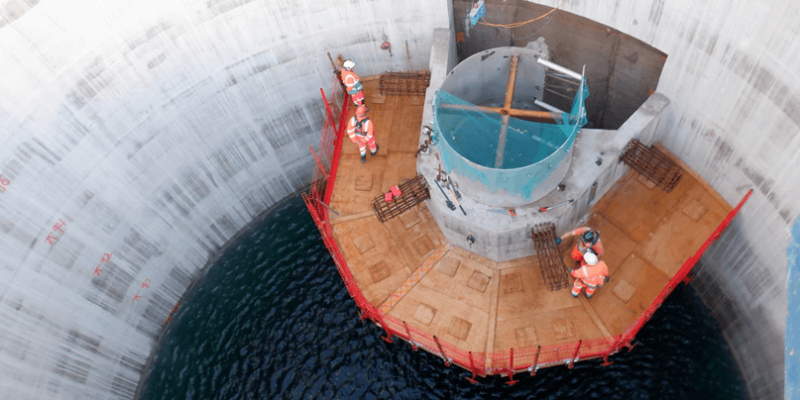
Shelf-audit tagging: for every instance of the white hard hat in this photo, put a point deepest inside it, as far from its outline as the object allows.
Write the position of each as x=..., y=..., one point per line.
x=349, y=64
x=590, y=258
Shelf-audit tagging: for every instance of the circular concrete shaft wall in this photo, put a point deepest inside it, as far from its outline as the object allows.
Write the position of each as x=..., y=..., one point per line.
x=156, y=130
x=137, y=139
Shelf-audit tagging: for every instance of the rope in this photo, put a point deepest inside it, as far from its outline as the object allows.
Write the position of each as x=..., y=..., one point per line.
x=518, y=24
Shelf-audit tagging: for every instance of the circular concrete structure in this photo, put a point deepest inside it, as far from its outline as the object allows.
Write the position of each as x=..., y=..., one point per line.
x=498, y=157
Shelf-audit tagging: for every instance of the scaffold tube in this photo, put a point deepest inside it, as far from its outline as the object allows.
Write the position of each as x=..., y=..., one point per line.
x=565, y=71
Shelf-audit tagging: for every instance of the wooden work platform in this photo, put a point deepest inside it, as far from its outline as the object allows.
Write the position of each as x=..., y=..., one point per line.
x=406, y=267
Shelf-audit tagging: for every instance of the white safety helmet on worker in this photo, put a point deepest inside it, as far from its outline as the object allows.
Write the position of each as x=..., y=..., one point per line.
x=348, y=65
x=590, y=258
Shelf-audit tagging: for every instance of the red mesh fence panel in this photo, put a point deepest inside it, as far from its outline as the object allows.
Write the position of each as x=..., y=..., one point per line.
x=595, y=347
x=525, y=357
x=560, y=353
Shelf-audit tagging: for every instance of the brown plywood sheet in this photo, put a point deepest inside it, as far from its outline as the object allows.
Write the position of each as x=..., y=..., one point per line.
x=549, y=327
x=424, y=314
x=448, y=266
x=618, y=315
x=363, y=243
x=409, y=219
x=442, y=323
x=457, y=286
x=479, y=281
x=637, y=210
x=511, y=283
x=679, y=236
x=459, y=328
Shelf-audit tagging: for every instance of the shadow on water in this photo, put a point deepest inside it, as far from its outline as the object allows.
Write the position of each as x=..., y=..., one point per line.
x=272, y=320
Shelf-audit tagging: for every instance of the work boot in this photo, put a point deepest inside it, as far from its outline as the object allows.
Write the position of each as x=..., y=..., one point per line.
x=574, y=295
x=588, y=296
x=376, y=150
x=363, y=158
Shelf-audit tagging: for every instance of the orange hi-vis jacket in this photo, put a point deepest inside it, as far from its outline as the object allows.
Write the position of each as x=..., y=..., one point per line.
x=351, y=81
x=597, y=248
x=367, y=130
x=591, y=275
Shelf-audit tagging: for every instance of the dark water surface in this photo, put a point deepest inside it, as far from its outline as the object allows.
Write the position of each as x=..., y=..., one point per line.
x=272, y=320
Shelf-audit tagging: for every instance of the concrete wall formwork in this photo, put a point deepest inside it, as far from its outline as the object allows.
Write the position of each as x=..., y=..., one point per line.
x=731, y=75
x=137, y=139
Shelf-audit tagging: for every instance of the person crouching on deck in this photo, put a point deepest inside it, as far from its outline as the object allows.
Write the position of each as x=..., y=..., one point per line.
x=362, y=132
x=589, y=240
x=591, y=275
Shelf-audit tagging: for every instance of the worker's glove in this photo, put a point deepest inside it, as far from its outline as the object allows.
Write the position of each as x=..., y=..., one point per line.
x=558, y=240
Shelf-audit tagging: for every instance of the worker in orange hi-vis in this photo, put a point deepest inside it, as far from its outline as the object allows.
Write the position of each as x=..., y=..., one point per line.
x=589, y=239
x=591, y=275
x=352, y=83
x=362, y=132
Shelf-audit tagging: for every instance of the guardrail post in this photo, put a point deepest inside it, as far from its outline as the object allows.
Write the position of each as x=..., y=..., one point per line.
x=511, y=380
x=441, y=351
x=533, y=368
x=388, y=337
x=472, y=369
x=408, y=332
x=575, y=355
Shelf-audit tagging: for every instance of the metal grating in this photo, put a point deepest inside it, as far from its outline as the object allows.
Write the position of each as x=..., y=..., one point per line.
x=405, y=83
x=413, y=192
x=554, y=272
x=653, y=164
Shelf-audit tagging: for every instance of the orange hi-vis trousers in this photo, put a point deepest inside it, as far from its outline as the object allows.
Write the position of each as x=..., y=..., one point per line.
x=363, y=142
x=579, y=285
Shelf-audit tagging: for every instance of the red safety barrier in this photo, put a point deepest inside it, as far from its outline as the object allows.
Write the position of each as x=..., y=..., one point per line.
x=478, y=363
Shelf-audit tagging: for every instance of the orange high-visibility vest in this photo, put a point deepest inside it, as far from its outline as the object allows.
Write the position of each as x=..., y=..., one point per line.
x=351, y=81
x=597, y=248
x=366, y=131
x=592, y=275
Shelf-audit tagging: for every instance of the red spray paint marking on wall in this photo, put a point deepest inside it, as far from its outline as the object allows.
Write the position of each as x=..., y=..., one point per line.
x=137, y=296
x=51, y=239
x=104, y=259
x=3, y=183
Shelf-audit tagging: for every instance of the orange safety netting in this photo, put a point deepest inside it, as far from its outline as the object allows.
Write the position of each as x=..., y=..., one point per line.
x=478, y=363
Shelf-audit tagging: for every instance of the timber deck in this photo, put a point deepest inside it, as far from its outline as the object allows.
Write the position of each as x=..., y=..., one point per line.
x=406, y=267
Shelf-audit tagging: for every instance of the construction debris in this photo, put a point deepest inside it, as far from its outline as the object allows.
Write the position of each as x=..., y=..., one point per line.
x=412, y=83
x=413, y=192
x=653, y=164
x=551, y=264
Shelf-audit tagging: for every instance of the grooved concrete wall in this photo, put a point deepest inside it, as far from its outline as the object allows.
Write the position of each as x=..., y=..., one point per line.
x=137, y=138
x=731, y=75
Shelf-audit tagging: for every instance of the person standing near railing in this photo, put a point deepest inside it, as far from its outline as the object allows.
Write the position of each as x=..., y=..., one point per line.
x=352, y=83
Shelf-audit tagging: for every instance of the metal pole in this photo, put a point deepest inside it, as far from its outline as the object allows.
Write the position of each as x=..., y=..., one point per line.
x=328, y=108
x=472, y=369
x=556, y=67
x=511, y=380
x=388, y=337
x=536, y=360
x=512, y=80
x=408, y=332
x=441, y=350
x=575, y=355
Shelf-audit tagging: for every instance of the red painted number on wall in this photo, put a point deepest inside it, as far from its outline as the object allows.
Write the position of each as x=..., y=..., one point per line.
x=104, y=259
x=3, y=183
